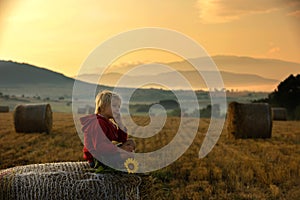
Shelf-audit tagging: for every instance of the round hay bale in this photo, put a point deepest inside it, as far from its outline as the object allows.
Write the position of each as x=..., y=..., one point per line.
x=251, y=120
x=279, y=114
x=4, y=109
x=29, y=118
x=66, y=180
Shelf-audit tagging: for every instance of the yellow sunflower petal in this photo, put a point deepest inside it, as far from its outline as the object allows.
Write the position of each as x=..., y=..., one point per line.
x=131, y=165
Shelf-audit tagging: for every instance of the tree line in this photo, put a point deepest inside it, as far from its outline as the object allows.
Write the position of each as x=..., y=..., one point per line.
x=287, y=95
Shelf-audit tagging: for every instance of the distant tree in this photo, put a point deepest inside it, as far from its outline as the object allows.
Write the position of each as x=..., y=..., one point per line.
x=143, y=108
x=169, y=104
x=175, y=112
x=206, y=112
x=209, y=110
x=36, y=97
x=287, y=94
x=264, y=100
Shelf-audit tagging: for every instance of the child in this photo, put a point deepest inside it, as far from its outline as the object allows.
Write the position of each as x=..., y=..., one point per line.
x=103, y=127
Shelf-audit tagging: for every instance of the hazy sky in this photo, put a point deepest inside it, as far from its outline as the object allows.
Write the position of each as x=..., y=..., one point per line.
x=60, y=34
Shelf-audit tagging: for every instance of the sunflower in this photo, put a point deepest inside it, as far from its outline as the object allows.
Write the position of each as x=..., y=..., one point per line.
x=131, y=165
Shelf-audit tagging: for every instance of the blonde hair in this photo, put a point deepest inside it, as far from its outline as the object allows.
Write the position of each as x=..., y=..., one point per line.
x=103, y=99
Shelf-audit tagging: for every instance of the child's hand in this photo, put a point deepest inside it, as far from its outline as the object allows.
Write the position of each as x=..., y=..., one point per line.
x=118, y=120
x=117, y=117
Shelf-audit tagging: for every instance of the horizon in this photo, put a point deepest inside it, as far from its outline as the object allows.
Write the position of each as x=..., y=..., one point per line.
x=263, y=88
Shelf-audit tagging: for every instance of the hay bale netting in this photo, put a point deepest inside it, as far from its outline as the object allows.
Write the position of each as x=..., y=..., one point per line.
x=29, y=118
x=251, y=120
x=4, y=109
x=279, y=114
x=66, y=180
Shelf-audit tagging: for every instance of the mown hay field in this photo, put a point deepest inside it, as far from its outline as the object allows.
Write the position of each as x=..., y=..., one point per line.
x=234, y=169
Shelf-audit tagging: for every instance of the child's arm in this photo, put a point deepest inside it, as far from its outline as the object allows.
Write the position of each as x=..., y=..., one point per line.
x=122, y=135
x=122, y=130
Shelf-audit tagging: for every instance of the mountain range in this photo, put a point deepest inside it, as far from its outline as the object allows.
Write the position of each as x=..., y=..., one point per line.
x=237, y=72
x=231, y=80
x=243, y=73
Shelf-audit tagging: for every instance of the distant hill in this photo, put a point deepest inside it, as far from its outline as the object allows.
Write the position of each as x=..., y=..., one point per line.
x=25, y=79
x=238, y=72
x=13, y=74
x=231, y=80
x=29, y=80
x=267, y=68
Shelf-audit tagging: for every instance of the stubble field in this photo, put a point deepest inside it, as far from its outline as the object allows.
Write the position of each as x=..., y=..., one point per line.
x=234, y=169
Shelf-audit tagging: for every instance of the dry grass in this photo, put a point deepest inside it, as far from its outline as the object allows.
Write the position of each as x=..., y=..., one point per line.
x=234, y=169
x=62, y=144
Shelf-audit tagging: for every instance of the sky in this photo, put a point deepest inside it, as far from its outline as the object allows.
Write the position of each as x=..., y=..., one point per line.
x=60, y=34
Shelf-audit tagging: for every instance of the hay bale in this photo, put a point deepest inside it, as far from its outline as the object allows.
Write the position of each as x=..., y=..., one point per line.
x=29, y=118
x=4, y=109
x=66, y=180
x=249, y=120
x=279, y=114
